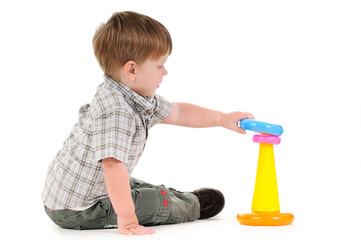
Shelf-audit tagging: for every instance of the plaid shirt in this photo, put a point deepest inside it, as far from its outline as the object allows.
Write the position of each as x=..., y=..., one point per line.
x=114, y=125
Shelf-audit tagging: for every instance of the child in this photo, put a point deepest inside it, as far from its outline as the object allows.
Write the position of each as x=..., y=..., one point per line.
x=88, y=185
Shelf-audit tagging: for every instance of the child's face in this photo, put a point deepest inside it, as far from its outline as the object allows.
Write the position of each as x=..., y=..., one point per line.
x=149, y=75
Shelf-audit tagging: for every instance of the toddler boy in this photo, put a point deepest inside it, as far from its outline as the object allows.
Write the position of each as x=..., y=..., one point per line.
x=89, y=183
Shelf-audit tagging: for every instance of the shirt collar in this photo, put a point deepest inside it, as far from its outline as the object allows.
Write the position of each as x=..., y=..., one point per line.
x=144, y=105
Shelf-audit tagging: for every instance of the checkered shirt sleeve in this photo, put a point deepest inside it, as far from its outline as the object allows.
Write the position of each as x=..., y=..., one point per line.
x=112, y=134
x=162, y=110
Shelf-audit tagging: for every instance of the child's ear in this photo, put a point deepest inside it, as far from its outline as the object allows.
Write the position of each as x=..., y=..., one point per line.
x=129, y=70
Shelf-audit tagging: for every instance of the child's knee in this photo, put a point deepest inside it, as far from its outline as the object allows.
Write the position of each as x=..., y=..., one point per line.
x=184, y=207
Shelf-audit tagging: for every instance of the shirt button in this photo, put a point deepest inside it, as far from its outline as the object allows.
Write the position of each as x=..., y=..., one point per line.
x=149, y=111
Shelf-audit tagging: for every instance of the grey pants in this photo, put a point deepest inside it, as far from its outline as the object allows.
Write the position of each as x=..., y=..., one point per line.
x=154, y=205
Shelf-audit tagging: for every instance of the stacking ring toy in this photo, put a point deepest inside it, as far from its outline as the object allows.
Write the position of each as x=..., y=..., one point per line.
x=266, y=139
x=265, y=203
x=261, y=127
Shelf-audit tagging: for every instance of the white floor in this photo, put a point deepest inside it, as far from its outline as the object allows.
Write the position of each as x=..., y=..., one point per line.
x=307, y=225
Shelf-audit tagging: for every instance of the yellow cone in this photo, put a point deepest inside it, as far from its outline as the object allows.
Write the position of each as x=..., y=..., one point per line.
x=265, y=204
x=265, y=196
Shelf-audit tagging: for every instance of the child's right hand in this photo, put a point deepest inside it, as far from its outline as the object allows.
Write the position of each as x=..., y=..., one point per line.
x=230, y=120
x=131, y=227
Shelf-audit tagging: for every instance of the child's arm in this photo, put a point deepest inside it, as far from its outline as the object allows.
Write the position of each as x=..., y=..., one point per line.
x=189, y=115
x=118, y=187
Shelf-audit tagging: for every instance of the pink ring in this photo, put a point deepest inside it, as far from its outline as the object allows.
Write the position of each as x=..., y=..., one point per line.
x=266, y=139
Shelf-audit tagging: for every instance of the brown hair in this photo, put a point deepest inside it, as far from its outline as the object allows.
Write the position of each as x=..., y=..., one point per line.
x=129, y=36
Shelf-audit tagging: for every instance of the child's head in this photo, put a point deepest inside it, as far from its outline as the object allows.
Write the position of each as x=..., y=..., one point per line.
x=130, y=36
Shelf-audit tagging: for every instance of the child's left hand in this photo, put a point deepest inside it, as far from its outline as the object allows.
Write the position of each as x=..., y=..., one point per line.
x=230, y=120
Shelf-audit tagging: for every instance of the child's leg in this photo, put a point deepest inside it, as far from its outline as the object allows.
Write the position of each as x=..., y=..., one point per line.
x=156, y=205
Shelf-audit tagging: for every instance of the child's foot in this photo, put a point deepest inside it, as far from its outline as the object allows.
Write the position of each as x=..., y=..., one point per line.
x=211, y=201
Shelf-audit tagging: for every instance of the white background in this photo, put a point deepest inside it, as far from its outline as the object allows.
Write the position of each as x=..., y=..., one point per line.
x=293, y=63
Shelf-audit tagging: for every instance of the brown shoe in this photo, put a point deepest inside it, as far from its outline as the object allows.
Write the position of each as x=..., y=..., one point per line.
x=211, y=201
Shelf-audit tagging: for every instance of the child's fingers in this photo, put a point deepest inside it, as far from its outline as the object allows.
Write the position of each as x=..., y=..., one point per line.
x=139, y=230
x=247, y=115
x=149, y=231
x=236, y=128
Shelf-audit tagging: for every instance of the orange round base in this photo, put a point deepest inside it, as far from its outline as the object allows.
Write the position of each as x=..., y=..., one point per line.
x=265, y=219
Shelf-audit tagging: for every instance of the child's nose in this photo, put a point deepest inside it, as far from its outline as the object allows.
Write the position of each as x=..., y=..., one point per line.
x=165, y=72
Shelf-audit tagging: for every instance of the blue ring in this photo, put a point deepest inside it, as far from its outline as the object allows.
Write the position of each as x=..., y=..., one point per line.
x=261, y=127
